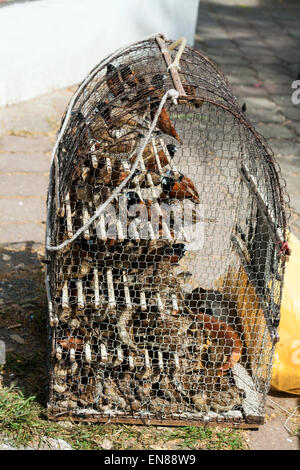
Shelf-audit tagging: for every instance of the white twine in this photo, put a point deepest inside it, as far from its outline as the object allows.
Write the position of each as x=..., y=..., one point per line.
x=173, y=94
x=290, y=415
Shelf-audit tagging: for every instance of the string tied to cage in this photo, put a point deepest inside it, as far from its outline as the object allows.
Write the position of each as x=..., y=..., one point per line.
x=175, y=64
x=173, y=95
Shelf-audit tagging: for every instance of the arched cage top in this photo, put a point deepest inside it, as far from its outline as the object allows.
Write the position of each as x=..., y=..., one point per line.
x=200, y=78
x=191, y=277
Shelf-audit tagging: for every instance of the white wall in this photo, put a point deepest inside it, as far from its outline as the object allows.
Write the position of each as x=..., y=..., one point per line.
x=50, y=44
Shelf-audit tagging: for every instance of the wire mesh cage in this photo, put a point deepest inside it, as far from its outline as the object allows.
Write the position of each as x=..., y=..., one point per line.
x=166, y=246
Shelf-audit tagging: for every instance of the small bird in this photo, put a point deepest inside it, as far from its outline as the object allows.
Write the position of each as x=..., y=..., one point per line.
x=133, y=199
x=178, y=187
x=150, y=159
x=225, y=401
x=172, y=254
x=103, y=109
x=117, y=176
x=158, y=81
x=214, y=303
x=164, y=122
x=200, y=401
x=189, y=89
x=172, y=149
x=244, y=107
x=77, y=121
x=84, y=191
x=71, y=342
x=130, y=77
x=113, y=81
x=176, y=252
x=148, y=94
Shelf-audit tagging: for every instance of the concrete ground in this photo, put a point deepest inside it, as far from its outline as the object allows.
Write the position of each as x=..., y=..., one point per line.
x=257, y=44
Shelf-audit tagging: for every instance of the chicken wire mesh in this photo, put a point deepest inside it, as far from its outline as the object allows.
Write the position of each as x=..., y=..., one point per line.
x=163, y=308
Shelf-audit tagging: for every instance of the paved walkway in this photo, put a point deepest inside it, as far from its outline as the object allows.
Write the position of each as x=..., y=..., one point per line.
x=256, y=43
x=27, y=135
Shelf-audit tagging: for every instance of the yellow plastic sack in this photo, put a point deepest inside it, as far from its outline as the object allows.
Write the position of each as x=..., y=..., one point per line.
x=286, y=367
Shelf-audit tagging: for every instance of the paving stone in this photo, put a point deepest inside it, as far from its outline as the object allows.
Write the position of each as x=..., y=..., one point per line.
x=24, y=162
x=23, y=185
x=274, y=72
x=246, y=81
x=239, y=75
x=264, y=115
x=239, y=33
x=288, y=55
x=273, y=436
x=254, y=103
x=22, y=232
x=259, y=51
x=278, y=89
x=285, y=148
x=294, y=70
x=284, y=100
x=274, y=130
x=251, y=91
x=13, y=143
x=262, y=58
x=226, y=59
x=296, y=126
x=41, y=114
x=26, y=210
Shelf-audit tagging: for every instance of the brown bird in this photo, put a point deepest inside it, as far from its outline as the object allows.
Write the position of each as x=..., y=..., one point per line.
x=158, y=81
x=133, y=199
x=113, y=81
x=148, y=94
x=103, y=109
x=168, y=253
x=84, y=191
x=150, y=159
x=117, y=177
x=214, y=303
x=71, y=342
x=189, y=89
x=178, y=187
x=164, y=122
x=131, y=78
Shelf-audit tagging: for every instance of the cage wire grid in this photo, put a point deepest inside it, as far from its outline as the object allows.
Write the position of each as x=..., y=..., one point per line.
x=165, y=310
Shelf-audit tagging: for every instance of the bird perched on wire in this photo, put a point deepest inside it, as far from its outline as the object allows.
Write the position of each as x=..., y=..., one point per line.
x=151, y=212
x=71, y=342
x=113, y=81
x=148, y=93
x=167, y=253
x=150, y=158
x=117, y=176
x=133, y=199
x=84, y=191
x=178, y=187
x=164, y=122
x=131, y=78
x=102, y=109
